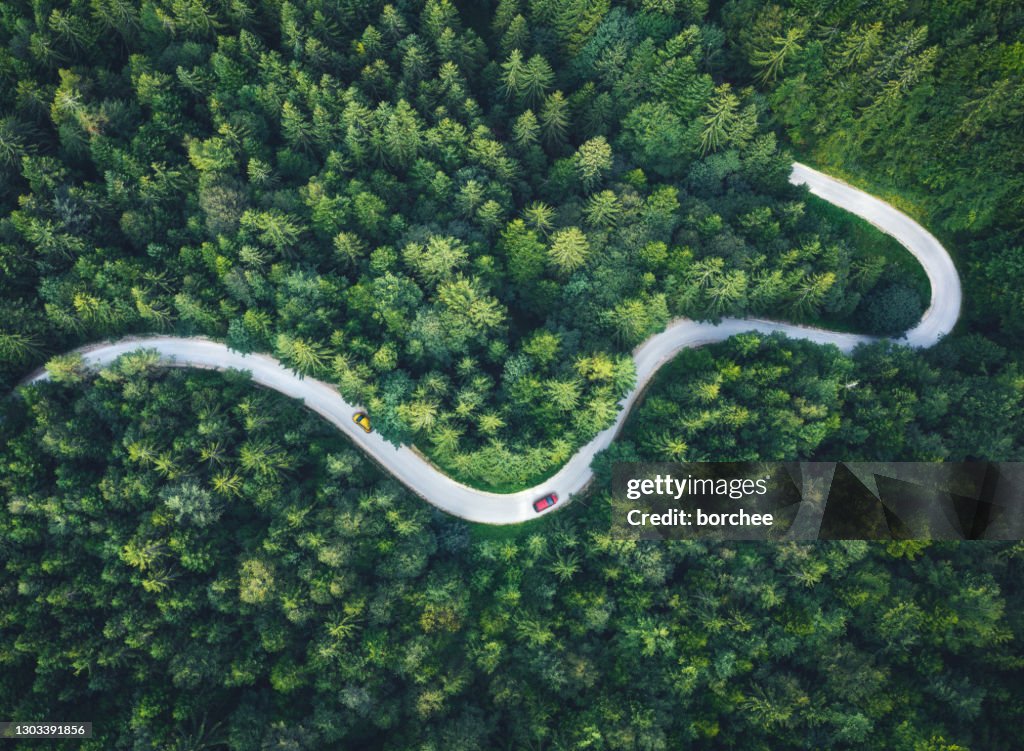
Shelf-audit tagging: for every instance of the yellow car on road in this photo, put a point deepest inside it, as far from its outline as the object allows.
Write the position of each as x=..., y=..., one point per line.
x=362, y=420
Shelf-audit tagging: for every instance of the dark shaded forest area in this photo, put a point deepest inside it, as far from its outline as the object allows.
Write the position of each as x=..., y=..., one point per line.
x=192, y=563
x=924, y=103
x=466, y=215
x=466, y=229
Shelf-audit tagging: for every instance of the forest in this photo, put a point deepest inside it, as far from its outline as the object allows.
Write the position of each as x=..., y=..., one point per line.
x=465, y=215
x=195, y=564
x=923, y=102
x=770, y=398
x=467, y=228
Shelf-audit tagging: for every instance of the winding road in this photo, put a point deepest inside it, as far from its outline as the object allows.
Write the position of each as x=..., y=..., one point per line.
x=509, y=508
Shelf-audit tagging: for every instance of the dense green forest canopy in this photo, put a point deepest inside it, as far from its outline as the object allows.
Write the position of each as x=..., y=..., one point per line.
x=465, y=220
x=192, y=563
x=769, y=398
x=922, y=100
x=466, y=214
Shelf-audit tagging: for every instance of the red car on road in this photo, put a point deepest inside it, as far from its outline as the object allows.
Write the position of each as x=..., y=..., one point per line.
x=546, y=502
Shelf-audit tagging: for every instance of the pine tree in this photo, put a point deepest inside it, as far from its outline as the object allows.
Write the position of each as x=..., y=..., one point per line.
x=525, y=130
x=512, y=71
x=718, y=120
x=535, y=79
x=554, y=118
x=569, y=249
x=771, y=61
x=603, y=209
x=593, y=160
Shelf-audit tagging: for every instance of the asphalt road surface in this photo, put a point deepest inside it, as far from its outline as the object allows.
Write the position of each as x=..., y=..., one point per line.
x=509, y=508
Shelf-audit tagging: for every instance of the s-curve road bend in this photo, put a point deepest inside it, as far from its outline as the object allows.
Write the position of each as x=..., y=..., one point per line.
x=509, y=508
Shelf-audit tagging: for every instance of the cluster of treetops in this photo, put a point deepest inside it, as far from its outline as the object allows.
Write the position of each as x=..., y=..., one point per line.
x=193, y=563
x=466, y=216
